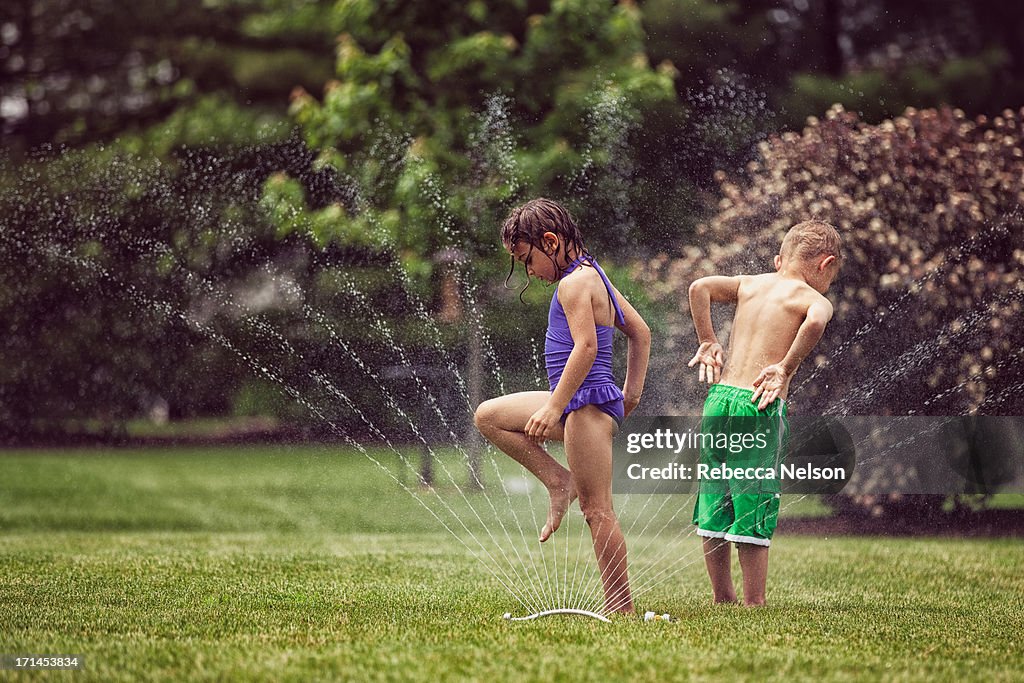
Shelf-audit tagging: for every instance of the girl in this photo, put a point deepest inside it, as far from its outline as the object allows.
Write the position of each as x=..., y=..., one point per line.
x=584, y=407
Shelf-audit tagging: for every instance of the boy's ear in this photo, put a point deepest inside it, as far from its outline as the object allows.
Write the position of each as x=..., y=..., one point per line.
x=826, y=263
x=549, y=239
x=778, y=262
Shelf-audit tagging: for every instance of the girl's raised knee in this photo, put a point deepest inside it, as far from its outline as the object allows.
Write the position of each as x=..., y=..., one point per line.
x=483, y=414
x=478, y=415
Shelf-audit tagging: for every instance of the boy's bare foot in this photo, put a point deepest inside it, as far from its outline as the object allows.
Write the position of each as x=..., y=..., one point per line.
x=562, y=497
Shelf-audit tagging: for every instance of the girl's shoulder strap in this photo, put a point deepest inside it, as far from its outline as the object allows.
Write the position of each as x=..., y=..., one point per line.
x=575, y=263
x=590, y=260
x=611, y=292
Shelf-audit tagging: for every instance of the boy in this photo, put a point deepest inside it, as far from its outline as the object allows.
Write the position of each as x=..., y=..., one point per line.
x=779, y=318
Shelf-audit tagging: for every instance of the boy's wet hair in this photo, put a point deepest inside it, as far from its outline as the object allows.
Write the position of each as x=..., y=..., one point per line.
x=529, y=222
x=811, y=239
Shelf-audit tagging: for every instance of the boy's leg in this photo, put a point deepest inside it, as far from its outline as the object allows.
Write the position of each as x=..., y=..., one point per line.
x=754, y=563
x=718, y=560
x=712, y=508
x=588, y=446
x=756, y=502
x=756, y=517
x=502, y=420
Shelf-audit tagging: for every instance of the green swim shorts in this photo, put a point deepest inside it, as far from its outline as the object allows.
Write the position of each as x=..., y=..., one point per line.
x=741, y=449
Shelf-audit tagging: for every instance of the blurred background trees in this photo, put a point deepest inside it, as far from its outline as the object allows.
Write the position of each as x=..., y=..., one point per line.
x=928, y=205
x=79, y=71
x=225, y=205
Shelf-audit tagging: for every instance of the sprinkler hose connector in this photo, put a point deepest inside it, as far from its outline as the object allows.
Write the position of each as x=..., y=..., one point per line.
x=651, y=616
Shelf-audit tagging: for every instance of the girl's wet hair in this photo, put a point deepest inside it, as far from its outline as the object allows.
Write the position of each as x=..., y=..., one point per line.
x=529, y=222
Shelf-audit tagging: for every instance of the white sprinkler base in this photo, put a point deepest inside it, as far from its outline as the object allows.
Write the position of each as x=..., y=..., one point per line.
x=549, y=612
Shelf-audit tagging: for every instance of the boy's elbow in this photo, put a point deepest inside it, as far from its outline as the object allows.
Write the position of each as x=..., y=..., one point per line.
x=697, y=287
x=816, y=327
x=818, y=319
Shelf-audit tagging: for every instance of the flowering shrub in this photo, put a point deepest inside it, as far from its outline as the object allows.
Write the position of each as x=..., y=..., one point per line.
x=929, y=298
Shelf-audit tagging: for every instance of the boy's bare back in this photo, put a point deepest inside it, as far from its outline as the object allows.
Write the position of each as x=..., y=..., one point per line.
x=779, y=317
x=770, y=309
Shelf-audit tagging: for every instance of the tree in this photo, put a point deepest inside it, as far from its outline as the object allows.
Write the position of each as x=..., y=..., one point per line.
x=137, y=140
x=76, y=72
x=439, y=119
x=875, y=57
x=442, y=116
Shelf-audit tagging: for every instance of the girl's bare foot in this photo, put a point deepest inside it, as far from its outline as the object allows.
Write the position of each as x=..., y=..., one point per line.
x=562, y=496
x=612, y=610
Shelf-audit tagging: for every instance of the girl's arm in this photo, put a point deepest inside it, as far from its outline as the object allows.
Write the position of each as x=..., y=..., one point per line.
x=575, y=296
x=638, y=354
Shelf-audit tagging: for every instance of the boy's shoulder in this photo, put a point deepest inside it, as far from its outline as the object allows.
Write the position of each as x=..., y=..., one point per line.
x=763, y=282
x=795, y=291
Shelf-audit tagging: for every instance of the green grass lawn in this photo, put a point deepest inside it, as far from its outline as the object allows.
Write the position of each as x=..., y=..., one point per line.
x=280, y=563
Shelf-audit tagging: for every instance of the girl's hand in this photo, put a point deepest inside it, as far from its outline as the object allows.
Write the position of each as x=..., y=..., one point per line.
x=542, y=423
x=629, y=403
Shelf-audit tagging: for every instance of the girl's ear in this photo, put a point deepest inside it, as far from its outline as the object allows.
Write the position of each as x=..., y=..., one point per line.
x=550, y=242
x=778, y=261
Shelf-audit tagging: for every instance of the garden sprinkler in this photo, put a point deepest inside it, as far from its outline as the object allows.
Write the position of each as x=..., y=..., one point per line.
x=549, y=612
x=648, y=616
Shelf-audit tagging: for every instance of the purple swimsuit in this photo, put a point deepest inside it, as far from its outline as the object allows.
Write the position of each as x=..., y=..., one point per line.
x=599, y=386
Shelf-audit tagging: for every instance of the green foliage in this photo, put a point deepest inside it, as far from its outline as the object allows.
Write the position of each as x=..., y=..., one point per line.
x=128, y=257
x=428, y=121
x=300, y=21
x=701, y=36
x=965, y=82
x=211, y=121
x=82, y=301
x=105, y=68
x=405, y=116
x=875, y=57
x=439, y=120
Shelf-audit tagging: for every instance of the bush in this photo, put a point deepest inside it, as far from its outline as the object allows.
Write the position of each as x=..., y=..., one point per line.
x=929, y=206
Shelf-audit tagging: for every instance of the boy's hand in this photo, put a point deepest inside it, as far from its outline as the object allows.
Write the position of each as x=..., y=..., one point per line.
x=542, y=423
x=711, y=357
x=769, y=385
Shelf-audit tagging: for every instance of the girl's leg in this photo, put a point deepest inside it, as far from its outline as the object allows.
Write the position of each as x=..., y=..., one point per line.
x=588, y=445
x=502, y=420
